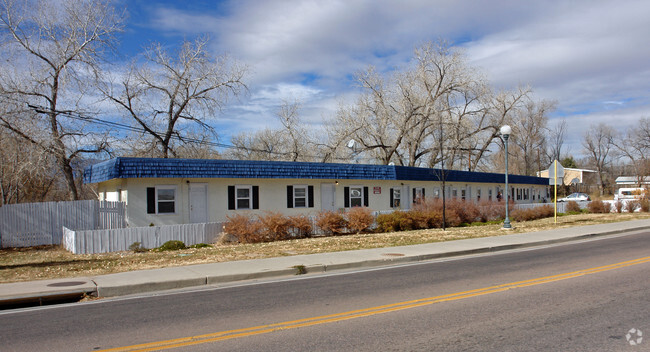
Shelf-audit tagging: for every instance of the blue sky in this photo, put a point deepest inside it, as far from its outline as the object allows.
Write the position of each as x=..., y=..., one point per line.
x=591, y=57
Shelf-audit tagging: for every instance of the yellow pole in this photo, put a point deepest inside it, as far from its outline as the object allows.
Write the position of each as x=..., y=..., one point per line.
x=555, y=186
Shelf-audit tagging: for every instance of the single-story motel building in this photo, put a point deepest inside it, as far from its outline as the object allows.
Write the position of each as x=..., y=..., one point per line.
x=181, y=191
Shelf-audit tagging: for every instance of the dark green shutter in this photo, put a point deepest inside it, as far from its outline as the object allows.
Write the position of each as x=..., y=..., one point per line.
x=256, y=197
x=365, y=196
x=310, y=196
x=151, y=200
x=231, y=197
x=289, y=196
x=346, y=194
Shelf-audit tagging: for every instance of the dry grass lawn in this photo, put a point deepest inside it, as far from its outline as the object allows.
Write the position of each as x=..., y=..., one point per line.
x=24, y=264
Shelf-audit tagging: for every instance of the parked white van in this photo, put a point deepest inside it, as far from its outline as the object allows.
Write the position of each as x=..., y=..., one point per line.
x=629, y=193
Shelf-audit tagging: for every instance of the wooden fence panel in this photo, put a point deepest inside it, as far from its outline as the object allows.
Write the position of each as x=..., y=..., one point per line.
x=113, y=240
x=33, y=224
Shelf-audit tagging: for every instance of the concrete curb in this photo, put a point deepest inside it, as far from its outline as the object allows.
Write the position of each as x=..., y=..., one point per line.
x=303, y=260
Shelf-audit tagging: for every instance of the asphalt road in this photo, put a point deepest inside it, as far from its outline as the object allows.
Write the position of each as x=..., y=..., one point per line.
x=559, y=298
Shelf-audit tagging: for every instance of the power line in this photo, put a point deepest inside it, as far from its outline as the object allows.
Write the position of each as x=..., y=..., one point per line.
x=121, y=126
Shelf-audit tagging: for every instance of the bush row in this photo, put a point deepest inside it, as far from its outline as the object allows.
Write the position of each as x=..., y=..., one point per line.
x=600, y=207
x=274, y=226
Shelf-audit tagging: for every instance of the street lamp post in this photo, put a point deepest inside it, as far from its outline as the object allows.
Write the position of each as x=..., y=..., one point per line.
x=505, y=132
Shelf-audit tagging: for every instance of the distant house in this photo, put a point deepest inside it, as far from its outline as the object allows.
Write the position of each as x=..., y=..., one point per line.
x=632, y=181
x=178, y=191
x=581, y=179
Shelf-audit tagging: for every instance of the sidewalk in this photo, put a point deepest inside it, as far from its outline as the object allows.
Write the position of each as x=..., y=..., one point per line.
x=38, y=292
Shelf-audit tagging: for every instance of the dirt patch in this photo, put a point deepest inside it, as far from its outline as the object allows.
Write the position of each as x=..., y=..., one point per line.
x=26, y=264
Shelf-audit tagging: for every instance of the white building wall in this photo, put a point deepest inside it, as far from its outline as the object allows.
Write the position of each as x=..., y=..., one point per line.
x=273, y=195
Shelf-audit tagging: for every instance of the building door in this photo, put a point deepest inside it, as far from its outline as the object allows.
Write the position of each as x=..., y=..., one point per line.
x=198, y=203
x=327, y=196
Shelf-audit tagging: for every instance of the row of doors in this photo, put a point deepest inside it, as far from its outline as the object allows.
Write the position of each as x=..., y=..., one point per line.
x=199, y=200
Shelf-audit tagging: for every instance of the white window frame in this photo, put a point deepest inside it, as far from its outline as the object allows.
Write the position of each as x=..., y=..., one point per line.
x=174, y=201
x=306, y=196
x=419, y=194
x=250, y=196
x=360, y=197
x=397, y=201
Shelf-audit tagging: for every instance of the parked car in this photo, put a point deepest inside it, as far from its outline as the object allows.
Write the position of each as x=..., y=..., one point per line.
x=576, y=197
x=629, y=193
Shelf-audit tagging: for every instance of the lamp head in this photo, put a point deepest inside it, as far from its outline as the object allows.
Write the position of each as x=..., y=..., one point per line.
x=505, y=130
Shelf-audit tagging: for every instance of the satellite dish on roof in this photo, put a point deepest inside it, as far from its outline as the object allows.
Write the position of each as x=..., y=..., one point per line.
x=351, y=143
x=391, y=164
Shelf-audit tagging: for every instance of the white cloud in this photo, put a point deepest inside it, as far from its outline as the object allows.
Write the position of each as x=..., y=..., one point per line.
x=582, y=54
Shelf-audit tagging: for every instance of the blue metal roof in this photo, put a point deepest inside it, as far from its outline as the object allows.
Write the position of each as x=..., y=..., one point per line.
x=213, y=168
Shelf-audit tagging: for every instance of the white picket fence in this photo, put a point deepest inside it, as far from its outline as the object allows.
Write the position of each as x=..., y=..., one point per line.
x=113, y=240
x=34, y=224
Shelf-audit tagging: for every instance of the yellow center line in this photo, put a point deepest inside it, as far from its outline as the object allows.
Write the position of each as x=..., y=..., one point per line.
x=359, y=313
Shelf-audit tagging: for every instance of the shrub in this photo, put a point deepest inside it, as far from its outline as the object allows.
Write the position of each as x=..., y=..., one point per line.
x=521, y=214
x=631, y=206
x=301, y=225
x=491, y=211
x=572, y=207
x=618, y=206
x=386, y=223
x=172, y=245
x=137, y=247
x=396, y=221
x=275, y=226
x=546, y=211
x=402, y=221
x=452, y=219
x=645, y=205
x=419, y=219
x=331, y=222
x=243, y=228
x=434, y=219
x=201, y=245
x=598, y=207
x=359, y=219
x=468, y=212
x=540, y=212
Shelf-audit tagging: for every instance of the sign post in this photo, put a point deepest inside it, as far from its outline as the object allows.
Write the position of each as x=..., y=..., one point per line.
x=554, y=172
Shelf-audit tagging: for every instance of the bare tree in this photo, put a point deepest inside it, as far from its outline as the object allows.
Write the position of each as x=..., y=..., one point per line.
x=634, y=145
x=51, y=51
x=295, y=134
x=266, y=144
x=395, y=116
x=556, y=136
x=24, y=171
x=598, y=142
x=528, y=137
x=168, y=90
x=289, y=143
